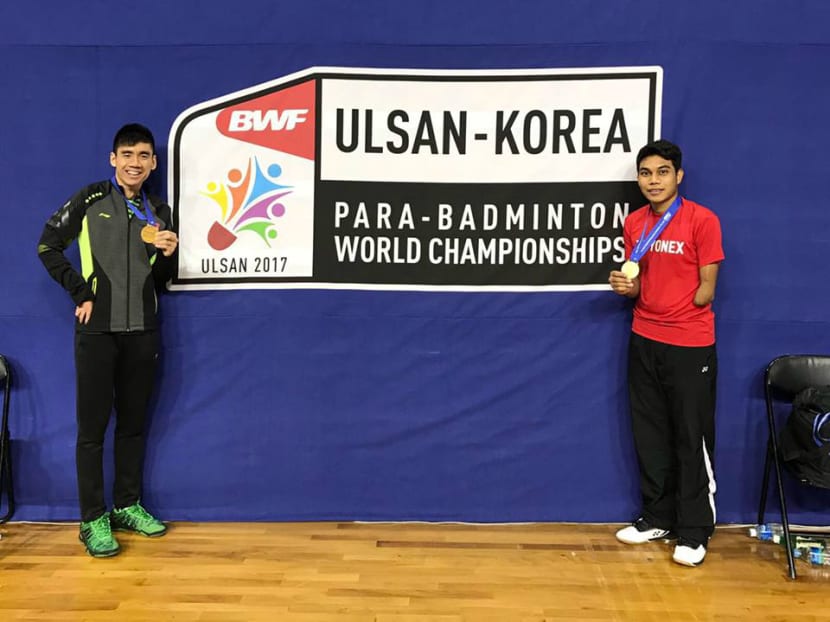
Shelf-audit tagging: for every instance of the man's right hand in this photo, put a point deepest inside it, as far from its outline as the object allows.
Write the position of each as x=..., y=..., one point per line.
x=84, y=311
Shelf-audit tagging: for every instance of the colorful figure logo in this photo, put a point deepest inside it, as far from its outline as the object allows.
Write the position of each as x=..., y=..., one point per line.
x=249, y=201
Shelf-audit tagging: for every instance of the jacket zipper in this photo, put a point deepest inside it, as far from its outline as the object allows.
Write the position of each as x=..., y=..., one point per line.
x=127, y=246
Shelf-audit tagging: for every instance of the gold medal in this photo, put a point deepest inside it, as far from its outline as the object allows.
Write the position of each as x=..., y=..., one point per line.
x=630, y=269
x=148, y=233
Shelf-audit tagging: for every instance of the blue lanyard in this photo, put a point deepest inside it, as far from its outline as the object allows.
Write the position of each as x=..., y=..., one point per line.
x=645, y=241
x=137, y=211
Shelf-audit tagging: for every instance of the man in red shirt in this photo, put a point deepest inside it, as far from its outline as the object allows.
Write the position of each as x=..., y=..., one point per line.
x=674, y=249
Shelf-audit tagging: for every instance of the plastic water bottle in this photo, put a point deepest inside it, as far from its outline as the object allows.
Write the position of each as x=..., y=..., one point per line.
x=812, y=549
x=818, y=556
x=768, y=532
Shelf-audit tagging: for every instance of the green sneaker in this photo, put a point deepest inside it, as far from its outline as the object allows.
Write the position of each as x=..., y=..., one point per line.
x=136, y=518
x=97, y=537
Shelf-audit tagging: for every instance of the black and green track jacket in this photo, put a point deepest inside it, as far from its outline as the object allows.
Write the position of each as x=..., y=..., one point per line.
x=119, y=272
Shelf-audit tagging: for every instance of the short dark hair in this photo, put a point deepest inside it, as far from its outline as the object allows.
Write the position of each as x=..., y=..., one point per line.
x=132, y=134
x=664, y=149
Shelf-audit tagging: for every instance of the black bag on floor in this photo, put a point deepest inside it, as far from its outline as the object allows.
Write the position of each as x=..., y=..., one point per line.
x=805, y=439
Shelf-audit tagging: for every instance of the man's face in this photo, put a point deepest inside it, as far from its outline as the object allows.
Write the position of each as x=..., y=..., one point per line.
x=658, y=179
x=133, y=164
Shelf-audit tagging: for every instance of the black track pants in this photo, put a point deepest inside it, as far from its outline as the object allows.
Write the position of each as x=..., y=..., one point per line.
x=112, y=369
x=672, y=392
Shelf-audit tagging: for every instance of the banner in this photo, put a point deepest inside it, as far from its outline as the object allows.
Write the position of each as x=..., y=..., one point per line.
x=412, y=179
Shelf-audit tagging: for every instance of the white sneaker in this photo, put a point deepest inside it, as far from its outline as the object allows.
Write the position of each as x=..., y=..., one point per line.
x=687, y=555
x=641, y=532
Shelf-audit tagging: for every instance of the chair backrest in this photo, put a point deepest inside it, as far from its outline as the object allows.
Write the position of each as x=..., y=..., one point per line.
x=789, y=374
x=5, y=380
x=6, y=486
x=5, y=394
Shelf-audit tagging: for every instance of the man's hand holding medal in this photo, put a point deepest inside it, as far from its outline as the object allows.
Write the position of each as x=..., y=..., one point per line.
x=165, y=241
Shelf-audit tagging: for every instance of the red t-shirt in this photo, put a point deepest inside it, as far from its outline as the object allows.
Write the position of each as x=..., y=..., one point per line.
x=670, y=274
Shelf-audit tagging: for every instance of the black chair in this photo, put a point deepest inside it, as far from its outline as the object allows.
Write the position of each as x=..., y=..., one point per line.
x=785, y=376
x=6, y=485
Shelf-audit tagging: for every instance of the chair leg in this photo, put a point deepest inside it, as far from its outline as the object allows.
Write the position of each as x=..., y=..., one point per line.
x=10, y=475
x=785, y=522
x=762, y=506
x=6, y=481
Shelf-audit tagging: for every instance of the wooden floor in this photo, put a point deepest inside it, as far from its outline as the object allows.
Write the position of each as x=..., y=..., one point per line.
x=344, y=572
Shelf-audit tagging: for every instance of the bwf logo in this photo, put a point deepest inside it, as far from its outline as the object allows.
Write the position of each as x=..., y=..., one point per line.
x=284, y=120
x=261, y=120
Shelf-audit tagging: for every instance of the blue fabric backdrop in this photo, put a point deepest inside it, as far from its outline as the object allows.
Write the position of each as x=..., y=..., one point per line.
x=311, y=405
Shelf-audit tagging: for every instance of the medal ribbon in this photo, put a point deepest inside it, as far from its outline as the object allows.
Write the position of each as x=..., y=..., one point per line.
x=645, y=241
x=137, y=211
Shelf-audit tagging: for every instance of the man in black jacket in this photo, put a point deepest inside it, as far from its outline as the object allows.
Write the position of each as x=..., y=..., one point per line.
x=126, y=246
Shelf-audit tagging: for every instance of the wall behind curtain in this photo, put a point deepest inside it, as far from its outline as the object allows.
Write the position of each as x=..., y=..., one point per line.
x=315, y=405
